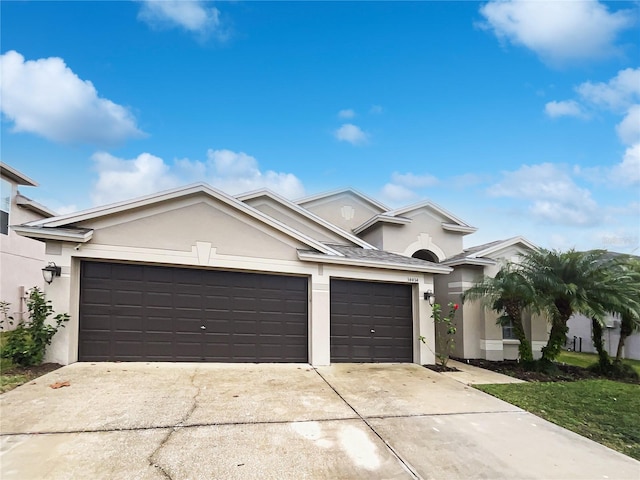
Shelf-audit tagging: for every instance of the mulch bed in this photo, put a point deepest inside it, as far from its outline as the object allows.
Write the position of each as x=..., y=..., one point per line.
x=565, y=373
x=440, y=368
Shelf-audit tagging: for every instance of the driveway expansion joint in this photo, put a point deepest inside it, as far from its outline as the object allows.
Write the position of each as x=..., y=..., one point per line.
x=408, y=467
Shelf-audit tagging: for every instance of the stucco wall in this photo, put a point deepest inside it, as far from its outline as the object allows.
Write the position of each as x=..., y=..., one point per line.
x=425, y=231
x=21, y=261
x=580, y=327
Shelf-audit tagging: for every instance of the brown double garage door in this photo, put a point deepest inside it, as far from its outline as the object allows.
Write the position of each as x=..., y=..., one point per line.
x=150, y=313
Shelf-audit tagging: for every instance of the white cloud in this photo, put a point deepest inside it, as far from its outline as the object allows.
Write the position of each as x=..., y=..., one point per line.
x=120, y=179
x=46, y=98
x=411, y=180
x=376, y=110
x=192, y=15
x=558, y=31
x=552, y=194
x=628, y=171
x=347, y=113
x=629, y=128
x=232, y=172
x=395, y=194
x=238, y=172
x=352, y=134
x=617, y=94
x=566, y=108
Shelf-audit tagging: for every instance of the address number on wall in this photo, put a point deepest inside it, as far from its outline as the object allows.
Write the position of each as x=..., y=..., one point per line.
x=413, y=279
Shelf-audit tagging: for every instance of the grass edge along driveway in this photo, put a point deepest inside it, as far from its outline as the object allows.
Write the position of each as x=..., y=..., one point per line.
x=605, y=411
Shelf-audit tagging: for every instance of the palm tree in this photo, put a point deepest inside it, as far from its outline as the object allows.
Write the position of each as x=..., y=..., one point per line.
x=573, y=282
x=629, y=316
x=509, y=294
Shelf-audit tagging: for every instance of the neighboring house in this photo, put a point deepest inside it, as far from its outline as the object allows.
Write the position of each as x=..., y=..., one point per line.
x=579, y=337
x=21, y=259
x=194, y=274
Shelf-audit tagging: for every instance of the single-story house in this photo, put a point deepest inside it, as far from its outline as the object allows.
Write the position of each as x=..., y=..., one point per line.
x=581, y=330
x=21, y=259
x=194, y=274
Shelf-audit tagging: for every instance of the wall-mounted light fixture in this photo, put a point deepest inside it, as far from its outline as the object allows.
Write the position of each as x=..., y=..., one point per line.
x=51, y=271
x=430, y=297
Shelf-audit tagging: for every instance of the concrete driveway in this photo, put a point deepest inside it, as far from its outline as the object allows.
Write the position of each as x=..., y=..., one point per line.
x=219, y=421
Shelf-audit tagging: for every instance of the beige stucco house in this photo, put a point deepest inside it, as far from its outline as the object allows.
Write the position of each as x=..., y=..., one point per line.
x=21, y=258
x=194, y=274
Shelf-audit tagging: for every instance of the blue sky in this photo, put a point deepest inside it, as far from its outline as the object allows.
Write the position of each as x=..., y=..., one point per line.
x=522, y=118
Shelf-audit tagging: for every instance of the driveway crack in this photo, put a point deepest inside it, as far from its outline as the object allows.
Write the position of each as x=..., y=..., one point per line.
x=412, y=471
x=194, y=404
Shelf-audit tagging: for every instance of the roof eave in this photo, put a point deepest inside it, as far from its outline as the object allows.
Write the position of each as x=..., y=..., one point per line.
x=314, y=257
x=40, y=233
x=469, y=261
x=35, y=207
x=16, y=176
x=381, y=219
x=466, y=229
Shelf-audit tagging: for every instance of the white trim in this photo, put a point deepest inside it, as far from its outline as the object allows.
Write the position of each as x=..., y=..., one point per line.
x=316, y=257
x=424, y=242
x=458, y=228
x=319, y=196
x=491, y=345
x=193, y=189
x=15, y=176
x=381, y=218
x=460, y=284
x=52, y=234
x=306, y=213
x=35, y=207
x=469, y=261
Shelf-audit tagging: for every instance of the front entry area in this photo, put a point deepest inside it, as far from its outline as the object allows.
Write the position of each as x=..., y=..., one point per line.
x=131, y=312
x=371, y=322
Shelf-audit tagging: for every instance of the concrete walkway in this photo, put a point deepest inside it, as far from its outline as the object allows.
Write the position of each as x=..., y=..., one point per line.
x=470, y=375
x=267, y=421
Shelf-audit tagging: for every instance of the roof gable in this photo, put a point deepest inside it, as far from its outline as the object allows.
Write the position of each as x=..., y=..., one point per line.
x=306, y=214
x=348, y=191
x=30, y=229
x=451, y=222
x=16, y=176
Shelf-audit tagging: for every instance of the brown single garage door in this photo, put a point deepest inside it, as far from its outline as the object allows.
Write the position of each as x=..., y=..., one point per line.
x=149, y=313
x=371, y=322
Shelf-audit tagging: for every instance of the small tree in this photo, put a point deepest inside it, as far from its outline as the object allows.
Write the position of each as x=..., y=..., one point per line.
x=26, y=345
x=445, y=332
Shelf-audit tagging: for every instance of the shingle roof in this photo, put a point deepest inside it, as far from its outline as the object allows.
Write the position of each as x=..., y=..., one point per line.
x=471, y=250
x=379, y=255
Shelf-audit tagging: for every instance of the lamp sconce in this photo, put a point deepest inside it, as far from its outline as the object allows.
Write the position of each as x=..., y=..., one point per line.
x=51, y=271
x=430, y=297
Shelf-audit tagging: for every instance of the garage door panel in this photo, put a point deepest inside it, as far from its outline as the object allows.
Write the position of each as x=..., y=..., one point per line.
x=371, y=322
x=139, y=312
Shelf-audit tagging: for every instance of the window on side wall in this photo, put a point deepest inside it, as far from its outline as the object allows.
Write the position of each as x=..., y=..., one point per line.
x=508, y=332
x=5, y=206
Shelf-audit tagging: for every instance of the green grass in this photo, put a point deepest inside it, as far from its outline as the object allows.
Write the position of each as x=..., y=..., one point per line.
x=580, y=359
x=605, y=411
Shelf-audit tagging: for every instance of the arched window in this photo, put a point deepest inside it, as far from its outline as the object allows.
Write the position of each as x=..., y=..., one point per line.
x=427, y=255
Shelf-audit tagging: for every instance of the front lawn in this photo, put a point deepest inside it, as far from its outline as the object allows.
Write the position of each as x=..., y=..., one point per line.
x=605, y=411
x=584, y=360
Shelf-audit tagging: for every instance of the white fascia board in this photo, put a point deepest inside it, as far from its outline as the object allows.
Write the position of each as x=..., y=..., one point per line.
x=16, y=176
x=357, y=262
x=177, y=193
x=52, y=234
x=469, y=261
x=319, y=196
x=507, y=243
x=305, y=213
x=381, y=219
x=458, y=228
